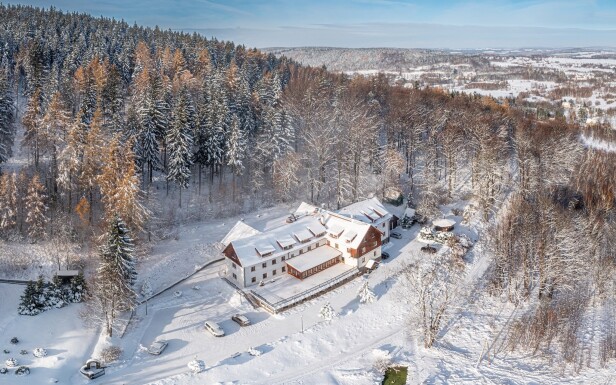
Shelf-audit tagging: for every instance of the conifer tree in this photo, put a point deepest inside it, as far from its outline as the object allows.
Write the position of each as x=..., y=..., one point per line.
x=31, y=123
x=36, y=210
x=179, y=141
x=8, y=201
x=7, y=132
x=113, y=286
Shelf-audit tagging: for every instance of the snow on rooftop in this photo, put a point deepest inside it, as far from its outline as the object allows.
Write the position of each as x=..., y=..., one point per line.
x=349, y=227
x=368, y=211
x=313, y=258
x=250, y=249
x=286, y=241
x=350, y=235
x=239, y=231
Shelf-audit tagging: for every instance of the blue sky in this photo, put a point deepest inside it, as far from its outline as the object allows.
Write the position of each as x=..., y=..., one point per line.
x=372, y=23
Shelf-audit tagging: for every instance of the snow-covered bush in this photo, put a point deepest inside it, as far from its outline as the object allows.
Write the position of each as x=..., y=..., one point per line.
x=442, y=237
x=110, y=354
x=14, y=340
x=11, y=362
x=254, y=352
x=196, y=366
x=177, y=293
x=196, y=287
x=366, y=295
x=3, y=370
x=327, y=312
x=382, y=360
x=22, y=371
x=426, y=233
x=23, y=352
x=6, y=351
x=39, y=352
x=40, y=295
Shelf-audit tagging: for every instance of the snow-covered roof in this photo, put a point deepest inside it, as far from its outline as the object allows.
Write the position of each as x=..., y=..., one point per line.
x=444, y=223
x=368, y=211
x=239, y=231
x=313, y=258
x=351, y=229
x=250, y=249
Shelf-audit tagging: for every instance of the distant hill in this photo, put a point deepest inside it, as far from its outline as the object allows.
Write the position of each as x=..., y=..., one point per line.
x=385, y=59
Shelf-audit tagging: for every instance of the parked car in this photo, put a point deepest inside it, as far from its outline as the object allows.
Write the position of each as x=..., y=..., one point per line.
x=157, y=347
x=395, y=235
x=241, y=319
x=428, y=249
x=291, y=218
x=214, y=328
x=92, y=369
x=384, y=255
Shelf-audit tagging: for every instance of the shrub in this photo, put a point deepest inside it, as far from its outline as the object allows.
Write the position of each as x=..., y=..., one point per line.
x=22, y=371
x=110, y=354
x=39, y=352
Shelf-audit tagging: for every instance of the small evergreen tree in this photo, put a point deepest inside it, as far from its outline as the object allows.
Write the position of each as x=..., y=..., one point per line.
x=327, y=312
x=28, y=304
x=366, y=295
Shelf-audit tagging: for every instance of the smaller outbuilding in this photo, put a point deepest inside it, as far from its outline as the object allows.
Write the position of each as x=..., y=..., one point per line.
x=443, y=225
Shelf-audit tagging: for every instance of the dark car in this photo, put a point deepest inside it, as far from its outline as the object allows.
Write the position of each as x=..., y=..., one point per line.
x=384, y=255
x=241, y=319
x=428, y=249
x=396, y=235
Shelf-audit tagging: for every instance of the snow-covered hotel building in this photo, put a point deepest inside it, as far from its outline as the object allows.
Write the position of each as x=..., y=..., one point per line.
x=373, y=212
x=315, y=241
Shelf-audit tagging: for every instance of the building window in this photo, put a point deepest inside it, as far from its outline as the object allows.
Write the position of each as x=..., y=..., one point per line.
x=264, y=265
x=363, y=260
x=336, y=246
x=253, y=280
x=284, y=269
x=283, y=258
x=264, y=275
x=375, y=253
x=383, y=225
x=273, y=261
x=274, y=272
x=301, y=251
x=234, y=276
x=253, y=268
x=234, y=265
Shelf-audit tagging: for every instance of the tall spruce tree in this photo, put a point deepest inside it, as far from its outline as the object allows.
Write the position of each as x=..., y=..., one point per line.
x=36, y=210
x=179, y=142
x=113, y=286
x=7, y=132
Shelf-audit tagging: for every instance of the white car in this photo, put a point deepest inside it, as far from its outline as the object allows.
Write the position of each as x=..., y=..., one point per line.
x=213, y=328
x=157, y=347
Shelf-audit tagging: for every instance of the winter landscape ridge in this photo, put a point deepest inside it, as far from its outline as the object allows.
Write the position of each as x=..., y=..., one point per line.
x=377, y=215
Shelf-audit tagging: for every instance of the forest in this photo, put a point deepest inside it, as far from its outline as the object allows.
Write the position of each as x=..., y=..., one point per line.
x=129, y=131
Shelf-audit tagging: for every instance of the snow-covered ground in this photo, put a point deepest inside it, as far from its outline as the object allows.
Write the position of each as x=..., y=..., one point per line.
x=297, y=347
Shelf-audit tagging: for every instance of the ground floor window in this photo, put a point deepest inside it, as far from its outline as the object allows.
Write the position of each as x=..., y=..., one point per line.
x=284, y=269
x=234, y=276
x=264, y=275
x=253, y=280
